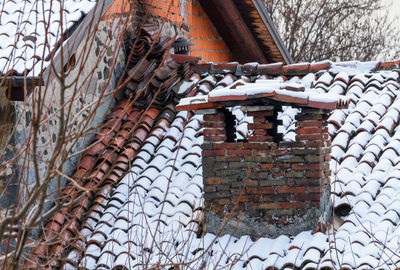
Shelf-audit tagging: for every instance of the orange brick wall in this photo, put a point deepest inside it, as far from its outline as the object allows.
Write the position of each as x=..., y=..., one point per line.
x=200, y=30
x=208, y=44
x=118, y=7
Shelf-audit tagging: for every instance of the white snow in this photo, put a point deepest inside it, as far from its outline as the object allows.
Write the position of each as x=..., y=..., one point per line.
x=28, y=20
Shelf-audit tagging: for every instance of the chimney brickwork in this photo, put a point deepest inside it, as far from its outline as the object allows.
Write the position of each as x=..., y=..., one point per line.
x=265, y=185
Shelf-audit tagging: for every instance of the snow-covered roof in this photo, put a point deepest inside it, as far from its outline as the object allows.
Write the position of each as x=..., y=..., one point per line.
x=31, y=30
x=147, y=164
x=283, y=92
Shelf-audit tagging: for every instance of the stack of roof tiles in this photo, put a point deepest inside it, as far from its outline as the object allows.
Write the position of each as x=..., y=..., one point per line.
x=108, y=158
x=147, y=81
x=148, y=163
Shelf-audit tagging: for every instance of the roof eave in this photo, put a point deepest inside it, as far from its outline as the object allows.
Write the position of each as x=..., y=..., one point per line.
x=262, y=11
x=17, y=87
x=233, y=30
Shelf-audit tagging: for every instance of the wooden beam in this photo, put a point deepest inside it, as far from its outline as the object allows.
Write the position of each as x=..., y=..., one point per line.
x=17, y=85
x=269, y=24
x=234, y=31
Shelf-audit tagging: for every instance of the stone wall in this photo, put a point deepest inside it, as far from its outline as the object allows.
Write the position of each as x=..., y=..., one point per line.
x=277, y=187
x=7, y=122
x=88, y=86
x=89, y=93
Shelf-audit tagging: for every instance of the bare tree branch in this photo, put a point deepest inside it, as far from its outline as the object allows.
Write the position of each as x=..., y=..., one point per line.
x=338, y=30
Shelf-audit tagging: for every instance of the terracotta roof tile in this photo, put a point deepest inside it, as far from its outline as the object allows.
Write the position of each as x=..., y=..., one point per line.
x=304, y=247
x=270, y=69
x=157, y=184
x=298, y=69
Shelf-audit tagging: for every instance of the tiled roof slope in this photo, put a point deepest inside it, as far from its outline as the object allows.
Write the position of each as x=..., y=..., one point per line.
x=30, y=30
x=151, y=217
x=146, y=102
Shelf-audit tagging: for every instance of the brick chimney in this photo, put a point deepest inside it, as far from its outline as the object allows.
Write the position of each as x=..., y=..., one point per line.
x=265, y=185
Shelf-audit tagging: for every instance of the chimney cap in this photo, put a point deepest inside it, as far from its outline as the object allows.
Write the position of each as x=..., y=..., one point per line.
x=264, y=92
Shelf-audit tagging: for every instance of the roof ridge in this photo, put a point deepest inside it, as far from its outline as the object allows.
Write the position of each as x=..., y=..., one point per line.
x=297, y=69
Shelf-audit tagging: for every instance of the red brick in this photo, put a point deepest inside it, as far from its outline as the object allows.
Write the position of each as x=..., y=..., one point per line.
x=242, y=145
x=228, y=159
x=211, y=125
x=306, y=197
x=260, y=190
x=309, y=130
x=214, y=131
x=309, y=116
x=305, y=182
x=260, y=126
x=239, y=152
x=261, y=113
x=226, y=145
x=212, y=153
x=213, y=180
x=260, y=139
x=259, y=119
x=288, y=205
x=313, y=189
x=280, y=153
x=298, y=167
x=315, y=174
x=266, y=190
x=310, y=137
x=314, y=144
x=310, y=124
x=257, y=145
x=315, y=166
x=213, y=117
x=251, y=190
x=214, y=138
x=246, y=198
x=291, y=144
x=266, y=206
x=260, y=132
x=268, y=165
x=291, y=189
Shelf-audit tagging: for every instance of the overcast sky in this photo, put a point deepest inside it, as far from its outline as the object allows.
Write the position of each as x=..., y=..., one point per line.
x=394, y=7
